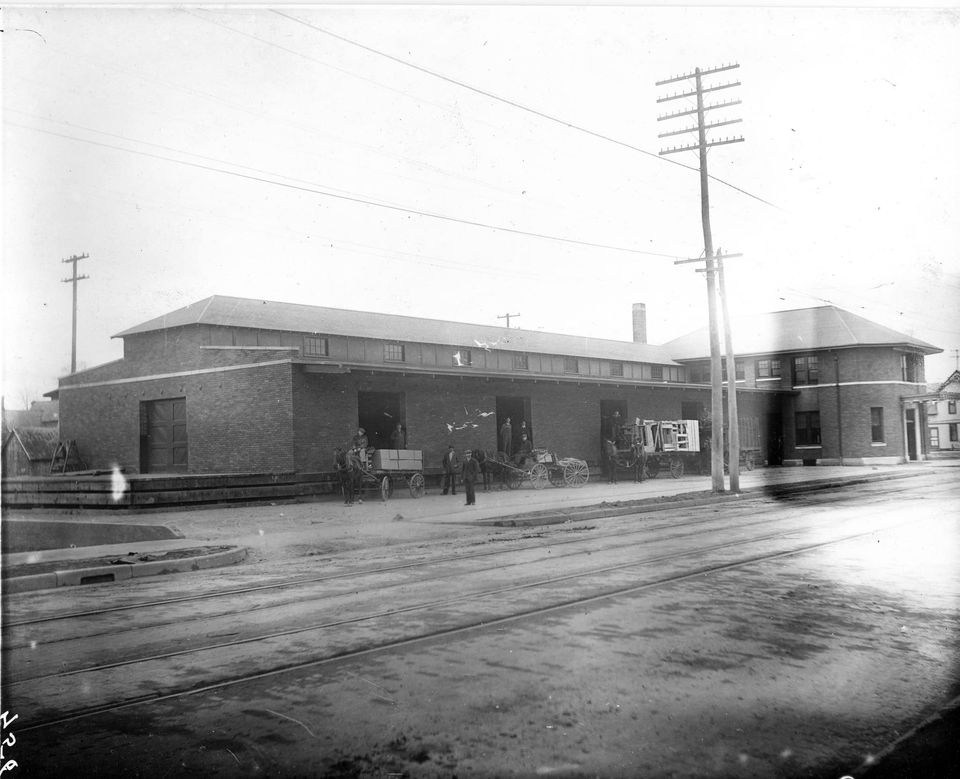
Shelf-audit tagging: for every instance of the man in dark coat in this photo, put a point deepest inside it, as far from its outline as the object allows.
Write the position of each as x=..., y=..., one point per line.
x=481, y=457
x=451, y=467
x=398, y=439
x=341, y=464
x=471, y=470
x=506, y=438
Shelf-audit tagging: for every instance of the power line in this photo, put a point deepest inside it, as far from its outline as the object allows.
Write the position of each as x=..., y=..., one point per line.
x=348, y=198
x=513, y=103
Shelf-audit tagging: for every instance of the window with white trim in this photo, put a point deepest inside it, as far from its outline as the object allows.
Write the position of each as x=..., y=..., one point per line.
x=806, y=370
x=807, y=425
x=876, y=424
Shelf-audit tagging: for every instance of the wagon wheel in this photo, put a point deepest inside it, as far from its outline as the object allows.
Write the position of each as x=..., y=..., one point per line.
x=514, y=478
x=386, y=488
x=676, y=467
x=748, y=461
x=415, y=483
x=539, y=476
x=556, y=476
x=575, y=474
x=653, y=467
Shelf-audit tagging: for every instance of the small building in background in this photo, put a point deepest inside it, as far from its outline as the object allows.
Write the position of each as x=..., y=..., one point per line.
x=29, y=451
x=943, y=419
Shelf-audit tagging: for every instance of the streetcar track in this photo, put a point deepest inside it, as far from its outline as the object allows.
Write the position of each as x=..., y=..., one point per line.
x=664, y=581
x=476, y=595
x=393, y=568
x=179, y=619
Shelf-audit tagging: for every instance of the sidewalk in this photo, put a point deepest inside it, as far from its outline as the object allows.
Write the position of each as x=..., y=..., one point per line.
x=266, y=528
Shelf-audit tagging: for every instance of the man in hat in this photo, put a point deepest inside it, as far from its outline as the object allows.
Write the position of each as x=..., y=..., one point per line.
x=471, y=471
x=451, y=467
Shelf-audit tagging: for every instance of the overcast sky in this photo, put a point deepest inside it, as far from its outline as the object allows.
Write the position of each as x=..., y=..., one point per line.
x=243, y=152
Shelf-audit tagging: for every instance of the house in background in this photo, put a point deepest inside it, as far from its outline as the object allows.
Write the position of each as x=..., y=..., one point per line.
x=943, y=419
x=237, y=385
x=852, y=392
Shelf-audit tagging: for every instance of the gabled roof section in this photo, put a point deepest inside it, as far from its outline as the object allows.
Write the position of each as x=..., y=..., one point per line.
x=822, y=327
x=38, y=443
x=952, y=384
x=293, y=317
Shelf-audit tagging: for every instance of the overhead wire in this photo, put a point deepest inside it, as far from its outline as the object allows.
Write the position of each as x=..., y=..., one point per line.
x=515, y=104
x=345, y=197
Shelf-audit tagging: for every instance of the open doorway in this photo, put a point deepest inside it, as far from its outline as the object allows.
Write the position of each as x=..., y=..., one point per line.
x=517, y=410
x=610, y=412
x=379, y=413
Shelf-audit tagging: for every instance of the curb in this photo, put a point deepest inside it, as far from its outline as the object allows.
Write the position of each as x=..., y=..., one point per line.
x=104, y=574
x=687, y=499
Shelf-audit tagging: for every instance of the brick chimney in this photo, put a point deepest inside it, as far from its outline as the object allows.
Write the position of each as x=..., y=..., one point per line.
x=639, y=323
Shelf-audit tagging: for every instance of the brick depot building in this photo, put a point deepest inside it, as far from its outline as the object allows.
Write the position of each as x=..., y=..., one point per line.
x=233, y=385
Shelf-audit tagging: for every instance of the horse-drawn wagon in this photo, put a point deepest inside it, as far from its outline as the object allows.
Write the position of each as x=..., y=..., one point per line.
x=385, y=468
x=655, y=445
x=540, y=467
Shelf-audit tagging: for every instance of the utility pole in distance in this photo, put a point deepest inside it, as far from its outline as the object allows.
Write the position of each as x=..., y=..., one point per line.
x=507, y=317
x=716, y=376
x=74, y=279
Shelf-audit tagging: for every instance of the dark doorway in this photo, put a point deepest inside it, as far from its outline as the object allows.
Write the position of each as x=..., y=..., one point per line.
x=378, y=414
x=911, y=435
x=691, y=409
x=607, y=410
x=774, y=439
x=163, y=436
x=517, y=410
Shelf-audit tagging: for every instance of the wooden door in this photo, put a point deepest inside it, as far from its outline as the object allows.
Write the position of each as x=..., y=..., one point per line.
x=165, y=447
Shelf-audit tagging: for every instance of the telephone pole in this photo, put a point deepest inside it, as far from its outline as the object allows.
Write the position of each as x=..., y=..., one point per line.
x=716, y=374
x=507, y=317
x=73, y=280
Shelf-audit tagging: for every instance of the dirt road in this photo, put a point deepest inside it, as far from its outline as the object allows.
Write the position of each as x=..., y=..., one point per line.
x=765, y=638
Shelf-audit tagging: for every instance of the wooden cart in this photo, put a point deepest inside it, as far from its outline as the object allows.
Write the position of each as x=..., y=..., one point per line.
x=390, y=467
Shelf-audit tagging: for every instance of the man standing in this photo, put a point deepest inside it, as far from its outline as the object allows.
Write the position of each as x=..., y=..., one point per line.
x=398, y=439
x=451, y=467
x=471, y=470
x=342, y=466
x=506, y=438
x=356, y=473
x=525, y=431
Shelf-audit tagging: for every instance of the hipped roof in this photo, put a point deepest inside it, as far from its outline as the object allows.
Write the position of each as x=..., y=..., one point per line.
x=802, y=329
x=293, y=317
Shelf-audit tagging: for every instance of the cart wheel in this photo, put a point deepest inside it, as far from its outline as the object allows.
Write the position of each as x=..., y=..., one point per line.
x=556, y=476
x=386, y=488
x=653, y=467
x=416, y=485
x=575, y=474
x=749, y=461
x=676, y=467
x=514, y=478
x=539, y=476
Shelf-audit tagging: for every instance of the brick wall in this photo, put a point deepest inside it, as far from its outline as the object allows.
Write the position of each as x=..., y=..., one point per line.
x=565, y=417
x=237, y=420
